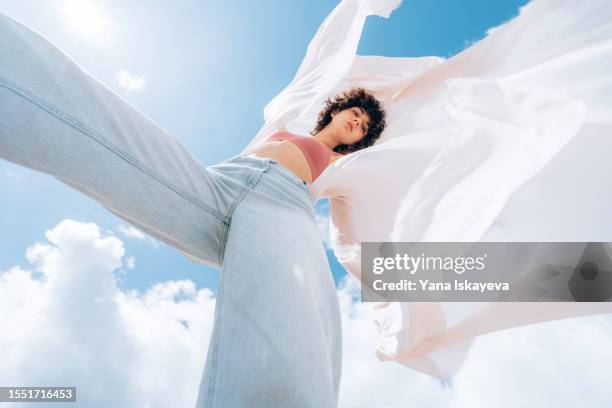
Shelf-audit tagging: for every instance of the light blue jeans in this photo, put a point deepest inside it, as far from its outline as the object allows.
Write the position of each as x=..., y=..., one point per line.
x=277, y=332
x=277, y=340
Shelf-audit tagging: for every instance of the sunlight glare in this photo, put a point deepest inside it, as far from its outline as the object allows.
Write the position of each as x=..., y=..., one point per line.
x=86, y=18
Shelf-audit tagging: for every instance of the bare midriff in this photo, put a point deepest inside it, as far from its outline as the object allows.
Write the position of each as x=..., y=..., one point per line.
x=287, y=155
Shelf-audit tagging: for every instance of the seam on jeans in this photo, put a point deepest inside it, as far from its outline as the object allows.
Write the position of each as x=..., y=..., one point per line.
x=86, y=130
x=250, y=185
x=214, y=349
x=216, y=339
x=221, y=239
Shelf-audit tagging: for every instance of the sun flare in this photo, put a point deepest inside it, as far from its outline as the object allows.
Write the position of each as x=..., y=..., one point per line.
x=87, y=19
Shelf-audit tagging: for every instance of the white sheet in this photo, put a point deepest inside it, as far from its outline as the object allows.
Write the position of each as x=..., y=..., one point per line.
x=508, y=140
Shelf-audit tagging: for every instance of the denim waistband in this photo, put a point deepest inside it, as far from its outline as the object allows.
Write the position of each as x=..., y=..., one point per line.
x=261, y=163
x=265, y=163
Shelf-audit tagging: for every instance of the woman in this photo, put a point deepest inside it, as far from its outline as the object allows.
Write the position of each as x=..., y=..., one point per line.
x=276, y=287
x=350, y=122
x=475, y=127
x=277, y=331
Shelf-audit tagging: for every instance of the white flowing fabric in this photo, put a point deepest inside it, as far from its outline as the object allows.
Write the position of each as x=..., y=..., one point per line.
x=507, y=140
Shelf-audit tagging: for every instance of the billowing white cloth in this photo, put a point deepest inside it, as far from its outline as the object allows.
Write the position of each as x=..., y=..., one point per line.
x=510, y=132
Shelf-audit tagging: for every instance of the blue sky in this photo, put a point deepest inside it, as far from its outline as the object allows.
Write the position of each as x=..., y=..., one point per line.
x=208, y=69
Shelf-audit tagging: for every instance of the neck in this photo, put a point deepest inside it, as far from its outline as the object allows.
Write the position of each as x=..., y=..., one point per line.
x=328, y=139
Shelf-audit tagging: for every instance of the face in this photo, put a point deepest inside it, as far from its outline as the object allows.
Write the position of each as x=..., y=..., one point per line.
x=351, y=124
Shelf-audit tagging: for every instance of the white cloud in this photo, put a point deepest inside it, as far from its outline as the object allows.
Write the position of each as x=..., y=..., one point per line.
x=12, y=175
x=128, y=81
x=522, y=9
x=322, y=217
x=369, y=382
x=564, y=363
x=323, y=224
x=468, y=43
x=129, y=231
x=130, y=262
x=70, y=324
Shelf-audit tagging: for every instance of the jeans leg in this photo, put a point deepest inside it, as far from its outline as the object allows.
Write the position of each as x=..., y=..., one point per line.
x=57, y=119
x=277, y=335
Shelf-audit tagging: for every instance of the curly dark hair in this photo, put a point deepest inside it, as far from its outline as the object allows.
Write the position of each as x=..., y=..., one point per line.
x=354, y=97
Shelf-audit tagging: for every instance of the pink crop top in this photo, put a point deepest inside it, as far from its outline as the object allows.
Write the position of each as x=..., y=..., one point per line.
x=317, y=155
